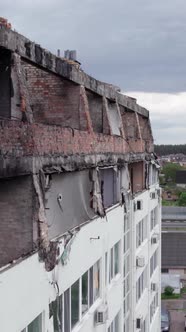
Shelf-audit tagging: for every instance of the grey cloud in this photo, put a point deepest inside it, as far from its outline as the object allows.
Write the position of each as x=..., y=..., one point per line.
x=170, y=136
x=138, y=44
x=167, y=114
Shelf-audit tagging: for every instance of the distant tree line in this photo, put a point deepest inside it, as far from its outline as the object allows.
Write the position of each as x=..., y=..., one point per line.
x=163, y=150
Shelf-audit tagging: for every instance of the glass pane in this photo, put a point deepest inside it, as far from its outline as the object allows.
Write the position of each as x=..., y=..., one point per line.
x=91, y=286
x=137, y=235
x=74, y=303
x=96, y=280
x=128, y=240
x=124, y=244
x=128, y=264
x=128, y=303
x=116, y=321
x=106, y=257
x=125, y=224
x=128, y=284
x=67, y=311
x=111, y=274
x=128, y=223
x=116, y=260
x=124, y=286
x=85, y=292
x=36, y=325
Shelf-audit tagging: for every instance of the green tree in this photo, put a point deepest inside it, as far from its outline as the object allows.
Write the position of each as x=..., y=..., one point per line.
x=169, y=170
x=163, y=150
x=168, y=290
x=182, y=199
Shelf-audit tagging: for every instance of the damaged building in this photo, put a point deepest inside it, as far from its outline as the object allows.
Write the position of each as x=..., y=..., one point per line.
x=80, y=204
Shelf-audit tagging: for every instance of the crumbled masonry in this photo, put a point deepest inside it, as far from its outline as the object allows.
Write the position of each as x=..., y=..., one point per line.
x=56, y=119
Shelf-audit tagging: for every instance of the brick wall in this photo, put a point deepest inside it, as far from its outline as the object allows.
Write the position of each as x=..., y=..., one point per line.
x=54, y=100
x=16, y=139
x=16, y=226
x=21, y=139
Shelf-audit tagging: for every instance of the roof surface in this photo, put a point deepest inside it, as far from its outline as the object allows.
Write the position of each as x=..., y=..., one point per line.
x=181, y=177
x=173, y=249
x=173, y=213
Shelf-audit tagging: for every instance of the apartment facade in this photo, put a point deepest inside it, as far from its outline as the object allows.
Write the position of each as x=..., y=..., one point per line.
x=79, y=199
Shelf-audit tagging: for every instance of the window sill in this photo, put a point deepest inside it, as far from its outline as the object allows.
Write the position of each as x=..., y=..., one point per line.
x=114, y=281
x=142, y=245
x=154, y=316
x=155, y=184
x=155, y=228
x=138, y=193
x=154, y=272
x=109, y=208
x=141, y=298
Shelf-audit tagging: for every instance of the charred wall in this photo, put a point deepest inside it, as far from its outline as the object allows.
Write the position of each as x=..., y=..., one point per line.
x=96, y=111
x=17, y=216
x=129, y=124
x=5, y=83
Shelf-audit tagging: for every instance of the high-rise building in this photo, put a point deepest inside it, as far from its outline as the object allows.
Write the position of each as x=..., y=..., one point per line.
x=79, y=199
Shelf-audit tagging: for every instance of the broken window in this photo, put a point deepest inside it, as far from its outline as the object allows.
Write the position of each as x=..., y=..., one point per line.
x=154, y=175
x=124, y=179
x=153, y=172
x=114, y=118
x=96, y=111
x=137, y=176
x=68, y=202
x=106, y=189
x=109, y=186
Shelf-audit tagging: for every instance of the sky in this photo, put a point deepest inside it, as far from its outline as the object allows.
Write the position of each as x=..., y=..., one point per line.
x=138, y=45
